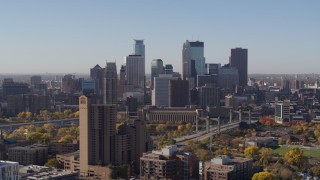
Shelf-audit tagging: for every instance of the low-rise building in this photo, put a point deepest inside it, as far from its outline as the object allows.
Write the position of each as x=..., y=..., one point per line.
x=169, y=163
x=36, y=154
x=34, y=172
x=224, y=167
x=9, y=170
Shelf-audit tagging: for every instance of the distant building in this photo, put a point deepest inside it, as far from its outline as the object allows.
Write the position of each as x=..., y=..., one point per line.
x=228, y=77
x=9, y=170
x=97, y=75
x=69, y=84
x=282, y=111
x=110, y=84
x=135, y=65
x=239, y=60
x=193, y=51
x=168, y=69
x=208, y=96
x=35, y=80
x=186, y=114
x=169, y=163
x=223, y=167
x=160, y=93
x=27, y=103
x=88, y=87
x=13, y=88
x=156, y=69
x=213, y=68
x=36, y=154
x=63, y=148
x=207, y=79
x=178, y=93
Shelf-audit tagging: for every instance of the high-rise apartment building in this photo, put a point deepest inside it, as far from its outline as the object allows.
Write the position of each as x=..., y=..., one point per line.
x=239, y=59
x=156, y=69
x=193, y=51
x=97, y=130
x=110, y=83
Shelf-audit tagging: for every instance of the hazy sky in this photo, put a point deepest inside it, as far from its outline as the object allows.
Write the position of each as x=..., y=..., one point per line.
x=72, y=36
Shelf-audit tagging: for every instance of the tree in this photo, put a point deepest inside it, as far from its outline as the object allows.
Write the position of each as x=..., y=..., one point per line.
x=252, y=152
x=52, y=163
x=66, y=138
x=264, y=176
x=34, y=137
x=294, y=156
x=180, y=128
x=265, y=155
x=161, y=128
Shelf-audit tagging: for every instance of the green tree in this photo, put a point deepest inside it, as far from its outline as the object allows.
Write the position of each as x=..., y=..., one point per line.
x=34, y=137
x=66, y=138
x=294, y=156
x=252, y=152
x=161, y=128
x=264, y=176
x=52, y=163
x=265, y=156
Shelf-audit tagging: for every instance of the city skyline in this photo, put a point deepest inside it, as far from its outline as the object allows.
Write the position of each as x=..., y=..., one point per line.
x=70, y=37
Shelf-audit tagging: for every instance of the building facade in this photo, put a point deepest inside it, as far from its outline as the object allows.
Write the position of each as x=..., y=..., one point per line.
x=239, y=60
x=36, y=154
x=178, y=93
x=9, y=170
x=223, y=167
x=160, y=93
x=193, y=51
x=169, y=163
x=156, y=69
x=110, y=84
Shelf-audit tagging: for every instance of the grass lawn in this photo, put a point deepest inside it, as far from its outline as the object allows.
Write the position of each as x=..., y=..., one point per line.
x=306, y=152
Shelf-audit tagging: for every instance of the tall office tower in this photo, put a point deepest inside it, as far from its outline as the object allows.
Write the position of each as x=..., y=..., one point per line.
x=160, y=92
x=239, y=59
x=97, y=74
x=139, y=48
x=35, y=80
x=97, y=130
x=228, y=77
x=110, y=84
x=213, y=68
x=156, y=69
x=168, y=69
x=208, y=96
x=178, y=93
x=285, y=86
x=135, y=70
x=193, y=51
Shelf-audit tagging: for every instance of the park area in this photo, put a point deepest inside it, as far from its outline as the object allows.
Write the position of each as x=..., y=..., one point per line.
x=306, y=152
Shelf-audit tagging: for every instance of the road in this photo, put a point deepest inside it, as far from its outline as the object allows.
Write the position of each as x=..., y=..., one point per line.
x=203, y=134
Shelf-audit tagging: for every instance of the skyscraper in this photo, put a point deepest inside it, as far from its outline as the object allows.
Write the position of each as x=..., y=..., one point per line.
x=160, y=93
x=135, y=65
x=178, y=93
x=139, y=48
x=156, y=69
x=193, y=51
x=97, y=130
x=110, y=83
x=239, y=59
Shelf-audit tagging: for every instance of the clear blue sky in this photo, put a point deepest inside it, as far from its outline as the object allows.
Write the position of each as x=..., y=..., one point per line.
x=72, y=36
